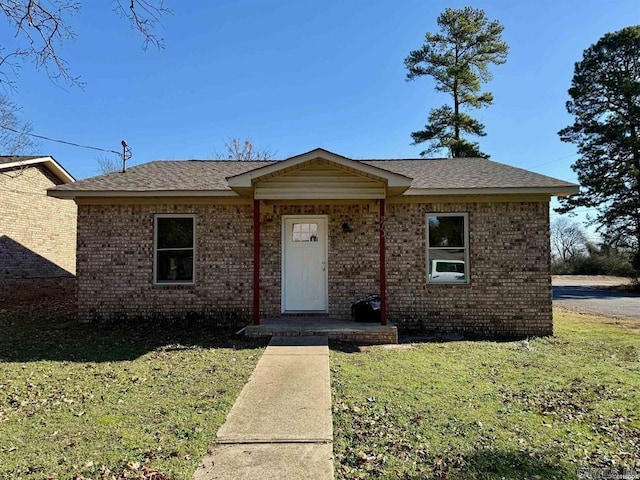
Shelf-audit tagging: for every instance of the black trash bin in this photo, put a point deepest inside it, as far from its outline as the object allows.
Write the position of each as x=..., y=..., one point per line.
x=367, y=309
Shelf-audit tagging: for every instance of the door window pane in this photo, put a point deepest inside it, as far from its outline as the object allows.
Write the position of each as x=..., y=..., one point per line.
x=305, y=232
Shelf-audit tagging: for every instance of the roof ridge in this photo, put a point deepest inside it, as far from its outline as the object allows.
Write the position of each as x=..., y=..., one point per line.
x=214, y=160
x=402, y=159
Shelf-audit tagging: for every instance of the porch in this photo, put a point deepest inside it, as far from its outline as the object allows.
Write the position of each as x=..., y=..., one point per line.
x=335, y=329
x=317, y=220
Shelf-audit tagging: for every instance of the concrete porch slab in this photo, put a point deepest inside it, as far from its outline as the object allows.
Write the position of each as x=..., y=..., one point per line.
x=300, y=345
x=334, y=329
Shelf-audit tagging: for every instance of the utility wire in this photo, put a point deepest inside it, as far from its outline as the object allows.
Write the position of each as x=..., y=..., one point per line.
x=552, y=161
x=576, y=210
x=59, y=141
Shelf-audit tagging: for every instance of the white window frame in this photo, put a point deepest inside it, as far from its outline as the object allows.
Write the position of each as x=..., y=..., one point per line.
x=155, y=248
x=466, y=247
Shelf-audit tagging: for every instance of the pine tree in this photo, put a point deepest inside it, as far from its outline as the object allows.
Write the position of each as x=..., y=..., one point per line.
x=605, y=103
x=458, y=59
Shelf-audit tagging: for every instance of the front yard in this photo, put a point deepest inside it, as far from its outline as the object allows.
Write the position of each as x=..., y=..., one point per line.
x=80, y=401
x=102, y=402
x=566, y=407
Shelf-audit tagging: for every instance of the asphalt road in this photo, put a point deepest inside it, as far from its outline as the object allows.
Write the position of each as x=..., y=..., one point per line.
x=595, y=299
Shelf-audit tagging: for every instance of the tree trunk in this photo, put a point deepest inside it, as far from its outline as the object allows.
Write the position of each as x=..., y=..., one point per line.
x=456, y=104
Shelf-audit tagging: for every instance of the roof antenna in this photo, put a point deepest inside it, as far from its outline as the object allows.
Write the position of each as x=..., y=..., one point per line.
x=126, y=155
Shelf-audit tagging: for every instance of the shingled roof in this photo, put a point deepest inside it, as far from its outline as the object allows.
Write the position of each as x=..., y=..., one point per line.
x=209, y=177
x=466, y=173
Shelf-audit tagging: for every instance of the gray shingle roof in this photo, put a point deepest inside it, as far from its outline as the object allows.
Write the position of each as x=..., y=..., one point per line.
x=168, y=175
x=463, y=173
x=211, y=175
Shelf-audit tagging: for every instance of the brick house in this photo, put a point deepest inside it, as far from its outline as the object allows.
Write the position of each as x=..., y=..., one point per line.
x=37, y=232
x=452, y=245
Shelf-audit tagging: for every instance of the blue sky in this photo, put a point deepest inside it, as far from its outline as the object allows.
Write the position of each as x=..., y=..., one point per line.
x=295, y=75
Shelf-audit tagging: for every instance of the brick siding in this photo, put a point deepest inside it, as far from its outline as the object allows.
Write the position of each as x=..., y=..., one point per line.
x=510, y=277
x=509, y=291
x=115, y=263
x=37, y=233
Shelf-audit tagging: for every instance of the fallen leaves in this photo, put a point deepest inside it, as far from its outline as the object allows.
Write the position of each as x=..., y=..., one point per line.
x=487, y=410
x=132, y=471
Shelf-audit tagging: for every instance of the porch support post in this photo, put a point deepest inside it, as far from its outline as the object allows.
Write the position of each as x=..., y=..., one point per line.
x=256, y=262
x=383, y=273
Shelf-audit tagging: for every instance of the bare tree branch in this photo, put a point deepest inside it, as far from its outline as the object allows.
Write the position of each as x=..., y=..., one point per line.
x=15, y=139
x=41, y=28
x=144, y=16
x=109, y=164
x=568, y=240
x=244, y=150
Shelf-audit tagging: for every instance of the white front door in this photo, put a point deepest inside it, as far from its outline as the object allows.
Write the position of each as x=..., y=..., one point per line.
x=304, y=264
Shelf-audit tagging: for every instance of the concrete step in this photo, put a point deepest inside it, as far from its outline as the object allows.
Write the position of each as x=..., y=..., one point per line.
x=344, y=330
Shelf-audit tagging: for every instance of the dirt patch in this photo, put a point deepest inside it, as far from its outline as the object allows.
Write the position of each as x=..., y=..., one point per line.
x=45, y=297
x=589, y=280
x=399, y=347
x=629, y=324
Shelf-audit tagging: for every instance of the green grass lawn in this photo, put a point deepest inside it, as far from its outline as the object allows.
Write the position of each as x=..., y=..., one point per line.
x=492, y=410
x=103, y=402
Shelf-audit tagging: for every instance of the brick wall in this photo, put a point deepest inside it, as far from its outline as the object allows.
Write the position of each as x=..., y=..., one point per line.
x=115, y=263
x=509, y=291
x=37, y=233
x=510, y=281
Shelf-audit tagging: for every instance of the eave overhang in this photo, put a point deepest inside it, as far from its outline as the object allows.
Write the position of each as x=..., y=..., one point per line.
x=557, y=191
x=49, y=162
x=140, y=194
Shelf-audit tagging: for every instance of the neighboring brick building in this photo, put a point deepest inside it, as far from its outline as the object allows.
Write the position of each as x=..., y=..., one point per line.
x=454, y=245
x=37, y=232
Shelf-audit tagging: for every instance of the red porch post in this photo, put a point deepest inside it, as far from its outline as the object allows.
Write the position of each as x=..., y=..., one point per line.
x=383, y=273
x=256, y=262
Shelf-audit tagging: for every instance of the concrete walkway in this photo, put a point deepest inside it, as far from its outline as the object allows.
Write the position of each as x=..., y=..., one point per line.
x=280, y=426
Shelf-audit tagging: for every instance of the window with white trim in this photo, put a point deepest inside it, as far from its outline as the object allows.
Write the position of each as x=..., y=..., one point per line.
x=447, y=248
x=174, y=248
